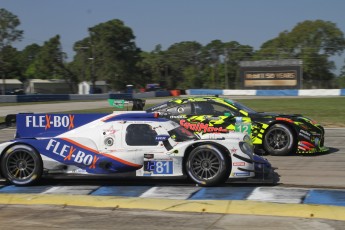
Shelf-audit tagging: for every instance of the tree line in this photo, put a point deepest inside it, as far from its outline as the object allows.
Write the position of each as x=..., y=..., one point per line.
x=109, y=53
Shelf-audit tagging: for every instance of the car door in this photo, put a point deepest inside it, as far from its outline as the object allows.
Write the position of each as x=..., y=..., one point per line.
x=209, y=117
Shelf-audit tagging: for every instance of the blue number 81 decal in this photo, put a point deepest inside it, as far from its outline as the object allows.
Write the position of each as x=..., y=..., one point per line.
x=163, y=167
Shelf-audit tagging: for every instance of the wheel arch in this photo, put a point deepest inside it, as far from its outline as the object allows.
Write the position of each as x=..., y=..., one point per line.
x=291, y=126
x=193, y=146
x=14, y=144
x=294, y=129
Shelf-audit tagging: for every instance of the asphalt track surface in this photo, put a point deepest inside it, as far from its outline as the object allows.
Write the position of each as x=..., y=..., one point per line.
x=303, y=175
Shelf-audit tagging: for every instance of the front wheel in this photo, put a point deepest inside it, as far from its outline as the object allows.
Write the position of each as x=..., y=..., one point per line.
x=21, y=165
x=279, y=140
x=208, y=166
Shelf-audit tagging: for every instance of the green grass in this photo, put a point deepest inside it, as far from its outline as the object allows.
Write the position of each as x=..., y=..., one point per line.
x=328, y=111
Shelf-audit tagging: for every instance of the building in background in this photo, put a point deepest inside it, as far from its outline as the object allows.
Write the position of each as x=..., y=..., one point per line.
x=86, y=87
x=11, y=87
x=47, y=86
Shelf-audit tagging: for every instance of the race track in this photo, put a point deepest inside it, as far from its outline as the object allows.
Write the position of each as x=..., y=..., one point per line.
x=310, y=195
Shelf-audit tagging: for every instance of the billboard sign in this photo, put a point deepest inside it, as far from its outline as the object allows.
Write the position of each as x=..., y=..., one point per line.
x=281, y=74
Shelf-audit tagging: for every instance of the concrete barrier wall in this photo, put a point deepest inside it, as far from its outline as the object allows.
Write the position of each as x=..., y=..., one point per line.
x=144, y=95
x=205, y=91
x=287, y=92
x=87, y=97
x=238, y=92
x=342, y=92
x=8, y=98
x=319, y=92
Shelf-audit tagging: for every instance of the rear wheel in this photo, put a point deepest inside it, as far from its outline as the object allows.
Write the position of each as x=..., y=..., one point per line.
x=279, y=140
x=21, y=165
x=208, y=166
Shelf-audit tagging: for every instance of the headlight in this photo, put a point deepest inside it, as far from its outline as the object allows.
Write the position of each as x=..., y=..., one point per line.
x=246, y=148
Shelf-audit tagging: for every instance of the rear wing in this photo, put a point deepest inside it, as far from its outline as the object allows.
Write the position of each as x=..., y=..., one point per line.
x=10, y=119
x=41, y=125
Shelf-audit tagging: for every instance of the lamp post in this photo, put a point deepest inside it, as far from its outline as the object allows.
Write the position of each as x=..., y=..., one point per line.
x=92, y=58
x=3, y=87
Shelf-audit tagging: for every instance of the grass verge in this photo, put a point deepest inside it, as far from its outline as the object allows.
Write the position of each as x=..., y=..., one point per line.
x=328, y=111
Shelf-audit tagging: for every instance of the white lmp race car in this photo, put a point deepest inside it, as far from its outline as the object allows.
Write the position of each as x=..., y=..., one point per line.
x=141, y=143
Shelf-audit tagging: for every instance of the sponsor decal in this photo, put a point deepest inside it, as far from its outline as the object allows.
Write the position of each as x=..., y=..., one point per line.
x=238, y=119
x=212, y=118
x=242, y=174
x=148, y=156
x=110, y=130
x=233, y=150
x=306, y=145
x=49, y=121
x=239, y=164
x=180, y=109
x=176, y=117
x=304, y=134
x=284, y=119
x=162, y=137
x=117, y=103
x=70, y=152
x=201, y=127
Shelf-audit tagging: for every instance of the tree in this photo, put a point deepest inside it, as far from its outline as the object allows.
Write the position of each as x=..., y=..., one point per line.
x=112, y=54
x=340, y=81
x=26, y=58
x=48, y=61
x=234, y=52
x=8, y=34
x=313, y=42
x=182, y=64
x=152, y=67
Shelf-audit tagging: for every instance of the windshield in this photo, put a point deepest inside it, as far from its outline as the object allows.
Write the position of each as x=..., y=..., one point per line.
x=180, y=134
x=240, y=106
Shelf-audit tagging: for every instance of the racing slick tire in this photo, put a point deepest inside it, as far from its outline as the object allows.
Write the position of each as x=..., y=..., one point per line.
x=207, y=166
x=21, y=165
x=279, y=140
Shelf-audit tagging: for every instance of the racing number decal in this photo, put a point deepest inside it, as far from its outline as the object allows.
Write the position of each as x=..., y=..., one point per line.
x=243, y=128
x=159, y=167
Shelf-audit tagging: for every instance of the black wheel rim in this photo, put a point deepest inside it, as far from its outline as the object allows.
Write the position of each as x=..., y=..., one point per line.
x=20, y=165
x=278, y=139
x=205, y=164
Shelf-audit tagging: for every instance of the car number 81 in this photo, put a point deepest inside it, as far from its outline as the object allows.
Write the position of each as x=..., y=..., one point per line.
x=159, y=167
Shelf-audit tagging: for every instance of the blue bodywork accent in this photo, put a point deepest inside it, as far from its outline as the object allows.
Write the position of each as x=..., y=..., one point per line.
x=51, y=125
